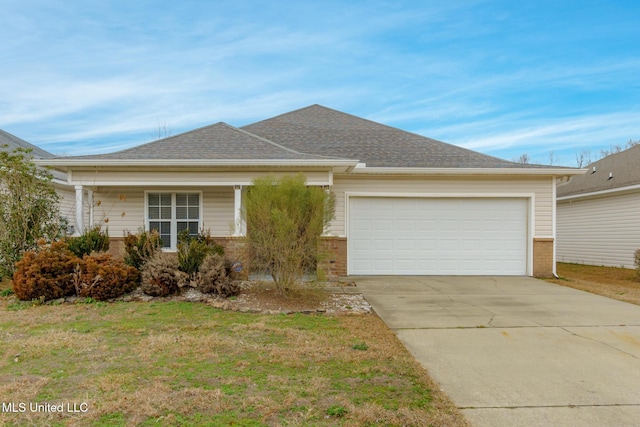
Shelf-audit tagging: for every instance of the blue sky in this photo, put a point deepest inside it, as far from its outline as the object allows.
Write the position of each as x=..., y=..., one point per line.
x=500, y=77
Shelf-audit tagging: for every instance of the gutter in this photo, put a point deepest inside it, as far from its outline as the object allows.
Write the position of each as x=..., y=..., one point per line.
x=468, y=171
x=67, y=163
x=600, y=192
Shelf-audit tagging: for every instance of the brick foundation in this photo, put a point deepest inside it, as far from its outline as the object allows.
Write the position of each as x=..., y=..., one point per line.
x=333, y=254
x=542, y=257
x=332, y=261
x=233, y=247
x=116, y=247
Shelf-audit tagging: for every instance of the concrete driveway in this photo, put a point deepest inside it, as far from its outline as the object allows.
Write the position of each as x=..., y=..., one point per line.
x=516, y=351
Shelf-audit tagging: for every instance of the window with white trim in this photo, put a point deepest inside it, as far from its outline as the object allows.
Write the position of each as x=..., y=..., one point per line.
x=171, y=213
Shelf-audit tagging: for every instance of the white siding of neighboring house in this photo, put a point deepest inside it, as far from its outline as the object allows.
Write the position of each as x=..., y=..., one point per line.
x=541, y=189
x=599, y=231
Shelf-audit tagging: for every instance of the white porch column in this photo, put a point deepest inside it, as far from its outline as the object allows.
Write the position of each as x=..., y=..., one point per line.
x=79, y=225
x=238, y=229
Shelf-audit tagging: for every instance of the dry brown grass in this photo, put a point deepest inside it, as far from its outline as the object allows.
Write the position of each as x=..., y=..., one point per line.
x=611, y=282
x=189, y=364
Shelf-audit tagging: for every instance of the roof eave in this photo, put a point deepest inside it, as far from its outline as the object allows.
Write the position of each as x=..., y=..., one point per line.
x=624, y=189
x=71, y=163
x=468, y=171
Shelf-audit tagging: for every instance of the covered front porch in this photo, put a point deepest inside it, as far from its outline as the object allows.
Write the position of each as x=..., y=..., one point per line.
x=172, y=200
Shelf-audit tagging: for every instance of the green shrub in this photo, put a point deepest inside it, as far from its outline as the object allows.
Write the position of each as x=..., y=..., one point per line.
x=91, y=240
x=46, y=273
x=285, y=218
x=193, y=249
x=102, y=277
x=213, y=277
x=141, y=247
x=161, y=276
x=28, y=207
x=637, y=264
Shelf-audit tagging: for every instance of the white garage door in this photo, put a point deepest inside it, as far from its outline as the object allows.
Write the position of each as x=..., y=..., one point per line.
x=437, y=236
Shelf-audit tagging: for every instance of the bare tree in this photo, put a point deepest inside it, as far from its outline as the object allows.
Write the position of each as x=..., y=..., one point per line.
x=552, y=157
x=162, y=131
x=583, y=158
x=523, y=159
x=618, y=148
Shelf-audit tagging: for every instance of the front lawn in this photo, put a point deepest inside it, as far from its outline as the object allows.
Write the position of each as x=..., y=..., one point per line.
x=612, y=282
x=180, y=363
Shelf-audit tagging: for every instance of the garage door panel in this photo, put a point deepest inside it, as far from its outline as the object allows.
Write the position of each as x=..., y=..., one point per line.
x=404, y=244
x=384, y=224
x=437, y=236
x=382, y=245
x=384, y=265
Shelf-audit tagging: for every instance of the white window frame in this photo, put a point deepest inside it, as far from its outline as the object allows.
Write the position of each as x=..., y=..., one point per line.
x=174, y=221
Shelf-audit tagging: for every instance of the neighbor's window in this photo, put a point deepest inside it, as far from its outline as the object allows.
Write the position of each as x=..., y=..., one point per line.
x=170, y=213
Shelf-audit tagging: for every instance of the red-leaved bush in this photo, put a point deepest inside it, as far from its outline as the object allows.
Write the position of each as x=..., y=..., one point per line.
x=46, y=273
x=102, y=277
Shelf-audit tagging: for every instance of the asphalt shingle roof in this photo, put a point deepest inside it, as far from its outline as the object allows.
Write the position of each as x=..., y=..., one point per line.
x=624, y=168
x=14, y=142
x=217, y=141
x=321, y=130
x=311, y=133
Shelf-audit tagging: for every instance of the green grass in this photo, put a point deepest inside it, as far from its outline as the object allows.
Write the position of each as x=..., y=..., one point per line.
x=175, y=363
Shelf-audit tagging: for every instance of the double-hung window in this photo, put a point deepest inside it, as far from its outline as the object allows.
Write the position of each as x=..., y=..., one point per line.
x=171, y=213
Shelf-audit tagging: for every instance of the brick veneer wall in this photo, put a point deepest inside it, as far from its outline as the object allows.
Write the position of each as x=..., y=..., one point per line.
x=333, y=250
x=543, y=257
x=116, y=246
x=233, y=247
x=333, y=257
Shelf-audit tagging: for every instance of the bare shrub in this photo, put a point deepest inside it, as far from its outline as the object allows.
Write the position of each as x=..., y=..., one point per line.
x=637, y=264
x=160, y=275
x=213, y=278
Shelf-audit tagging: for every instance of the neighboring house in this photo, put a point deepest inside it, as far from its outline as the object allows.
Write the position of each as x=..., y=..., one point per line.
x=9, y=142
x=405, y=204
x=599, y=212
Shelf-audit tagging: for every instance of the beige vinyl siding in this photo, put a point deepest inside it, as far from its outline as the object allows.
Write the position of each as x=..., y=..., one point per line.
x=599, y=231
x=218, y=210
x=119, y=210
x=122, y=209
x=541, y=189
x=67, y=203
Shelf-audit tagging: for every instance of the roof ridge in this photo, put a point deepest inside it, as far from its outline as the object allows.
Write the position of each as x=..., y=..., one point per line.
x=515, y=164
x=286, y=114
x=171, y=137
x=291, y=150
